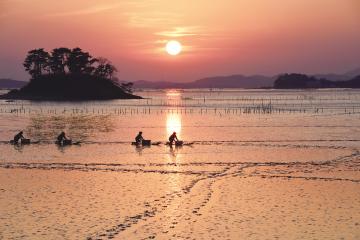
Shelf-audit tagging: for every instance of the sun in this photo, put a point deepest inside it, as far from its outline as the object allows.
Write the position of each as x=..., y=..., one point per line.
x=173, y=47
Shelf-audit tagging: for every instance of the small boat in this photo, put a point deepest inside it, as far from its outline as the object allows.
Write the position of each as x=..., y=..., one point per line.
x=143, y=143
x=23, y=141
x=146, y=142
x=65, y=142
x=177, y=143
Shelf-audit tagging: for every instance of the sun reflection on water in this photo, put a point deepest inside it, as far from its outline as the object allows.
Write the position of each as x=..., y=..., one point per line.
x=173, y=121
x=173, y=124
x=173, y=93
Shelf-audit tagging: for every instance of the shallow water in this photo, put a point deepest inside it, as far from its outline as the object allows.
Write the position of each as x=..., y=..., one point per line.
x=256, y=164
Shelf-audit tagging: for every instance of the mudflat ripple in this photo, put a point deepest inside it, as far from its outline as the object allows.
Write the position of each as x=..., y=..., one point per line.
x=174, y=200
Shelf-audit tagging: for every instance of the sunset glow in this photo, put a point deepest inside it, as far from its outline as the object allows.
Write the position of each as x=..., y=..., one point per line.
x=224, y=37
x=179, y=119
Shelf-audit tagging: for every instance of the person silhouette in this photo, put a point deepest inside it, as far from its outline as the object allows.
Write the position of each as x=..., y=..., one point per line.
x=139, y=138
x=173, y=138
x=61, y=138
x=18, y=136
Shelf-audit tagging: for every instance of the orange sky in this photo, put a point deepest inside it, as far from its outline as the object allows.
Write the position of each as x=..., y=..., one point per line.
x=220, y=37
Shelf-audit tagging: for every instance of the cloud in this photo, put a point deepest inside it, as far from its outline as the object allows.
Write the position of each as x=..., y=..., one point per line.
x=182, y=32
x=85, y=11
x=141, y=3
x=148, y=14
x=152, y=19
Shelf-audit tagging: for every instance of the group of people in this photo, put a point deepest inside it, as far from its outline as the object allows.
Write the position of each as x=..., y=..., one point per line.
x=172, y=139
x=60, y=139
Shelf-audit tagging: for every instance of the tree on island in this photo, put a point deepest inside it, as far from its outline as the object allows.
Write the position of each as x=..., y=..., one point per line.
x=70, y=74
x=105, y=69
x=37, y=62
x=64, y=61
x=59, y=59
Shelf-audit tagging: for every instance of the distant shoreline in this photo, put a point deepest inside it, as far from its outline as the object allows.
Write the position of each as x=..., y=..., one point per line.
x=139, y=90
x=290, y=81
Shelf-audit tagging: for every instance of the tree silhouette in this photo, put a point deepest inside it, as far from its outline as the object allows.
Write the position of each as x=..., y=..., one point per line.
x=81, y=62
x=64, y=61
x=127, y=87
x=37, y=62
x=59, y=60
x=71, y=74
x=105, y=69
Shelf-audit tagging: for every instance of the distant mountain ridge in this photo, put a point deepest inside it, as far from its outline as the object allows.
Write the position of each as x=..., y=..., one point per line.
x=6, y=83
x=239, y=81
x=353, y=73
x=339, y=77
x=232, y=81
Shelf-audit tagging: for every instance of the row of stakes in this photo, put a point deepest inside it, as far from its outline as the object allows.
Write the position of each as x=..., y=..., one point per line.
x=135, y=111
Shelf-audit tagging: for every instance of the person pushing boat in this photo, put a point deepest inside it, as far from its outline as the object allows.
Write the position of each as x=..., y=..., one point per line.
x=173, y=138
x=139, y=138
x=18, y=137
x=61, y=138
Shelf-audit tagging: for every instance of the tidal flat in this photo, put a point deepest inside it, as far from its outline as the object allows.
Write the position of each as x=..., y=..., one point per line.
x=256, y=164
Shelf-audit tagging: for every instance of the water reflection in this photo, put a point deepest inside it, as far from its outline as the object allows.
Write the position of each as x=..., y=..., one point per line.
x=139, y=149
x=173, y=93
x=173, y=124
x=174, y=150
x=61, y=149
x=173, y=153
x=19, y=147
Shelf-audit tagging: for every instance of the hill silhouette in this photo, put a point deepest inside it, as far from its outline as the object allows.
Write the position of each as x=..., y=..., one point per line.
x=6, y=83
x=70, y=74
x=232, y=81
x=252, y=81
x=302, y=81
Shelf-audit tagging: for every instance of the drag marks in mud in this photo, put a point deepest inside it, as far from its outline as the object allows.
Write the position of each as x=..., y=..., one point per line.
x=168, y=214
x=184, y=207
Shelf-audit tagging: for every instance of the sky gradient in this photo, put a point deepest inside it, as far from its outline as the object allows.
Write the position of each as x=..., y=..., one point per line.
x=219, y=37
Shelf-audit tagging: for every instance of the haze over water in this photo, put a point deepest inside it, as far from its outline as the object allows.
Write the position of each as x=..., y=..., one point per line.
x=256, y=164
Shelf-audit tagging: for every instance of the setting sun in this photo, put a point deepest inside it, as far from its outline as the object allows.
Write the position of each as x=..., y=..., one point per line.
x=173, y=47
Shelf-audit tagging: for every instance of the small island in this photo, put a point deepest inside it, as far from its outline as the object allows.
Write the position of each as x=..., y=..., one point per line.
x=70, y=75
x=302, y=81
